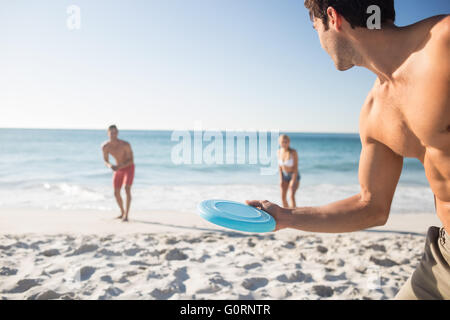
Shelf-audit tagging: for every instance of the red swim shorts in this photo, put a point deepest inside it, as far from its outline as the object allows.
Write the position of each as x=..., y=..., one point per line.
x=123, y=176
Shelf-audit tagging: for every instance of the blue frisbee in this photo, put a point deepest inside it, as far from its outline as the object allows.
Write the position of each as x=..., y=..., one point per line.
x=236, y=216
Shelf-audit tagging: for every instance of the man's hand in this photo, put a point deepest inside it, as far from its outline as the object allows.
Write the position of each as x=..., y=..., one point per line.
x=281, y=215
x=114, y=168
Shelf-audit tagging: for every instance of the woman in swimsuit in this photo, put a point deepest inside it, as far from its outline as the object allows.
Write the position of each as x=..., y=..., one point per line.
x=289, y=174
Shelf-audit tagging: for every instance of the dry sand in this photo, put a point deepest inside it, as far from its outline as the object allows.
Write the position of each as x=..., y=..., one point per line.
x=89, y=255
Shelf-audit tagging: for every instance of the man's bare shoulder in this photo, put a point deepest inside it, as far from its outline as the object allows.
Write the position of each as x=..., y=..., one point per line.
x=436, y=31
x=435, y=75
x=432, y=24
x=439, y=44
x=105, y=145
x=440, y=26
x=366, y=111
x=369, y=126
x=125, y=143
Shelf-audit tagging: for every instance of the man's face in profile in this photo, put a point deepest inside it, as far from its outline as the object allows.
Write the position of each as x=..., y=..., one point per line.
x=113, y=133
x=334, y=44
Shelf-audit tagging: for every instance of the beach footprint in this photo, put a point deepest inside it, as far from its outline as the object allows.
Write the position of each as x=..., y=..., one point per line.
x=383, y=262
x=175, y=286
x=176, y=254
x=50, y=252
x=331, y=277
x=252, y=265
x=86, y=272
x=297, y=276
x=215, y=284
x=85, y=248
x=323, y=291
x=45, y=295
x=24, y=285
x=253, y=284
x=111, y=292
x=107, y=279
x=5, y=271
x=132, y=251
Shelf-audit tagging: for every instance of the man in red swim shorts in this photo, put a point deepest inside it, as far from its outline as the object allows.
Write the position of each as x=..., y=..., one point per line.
x=123, y=170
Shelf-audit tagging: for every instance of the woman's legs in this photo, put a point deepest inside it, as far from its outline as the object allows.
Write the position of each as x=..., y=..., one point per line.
x=284, y=189
x=293, y=190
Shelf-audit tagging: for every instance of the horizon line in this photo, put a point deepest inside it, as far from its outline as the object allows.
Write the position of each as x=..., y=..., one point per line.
x=184, y=129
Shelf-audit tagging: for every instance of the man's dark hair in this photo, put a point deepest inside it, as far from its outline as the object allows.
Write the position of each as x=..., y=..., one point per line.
x=111, y=127
x=354, y=11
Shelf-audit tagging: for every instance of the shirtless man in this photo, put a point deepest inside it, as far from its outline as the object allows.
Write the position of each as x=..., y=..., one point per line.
x=123, y=170
x=406, y=114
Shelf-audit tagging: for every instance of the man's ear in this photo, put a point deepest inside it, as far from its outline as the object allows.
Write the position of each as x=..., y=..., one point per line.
x=334, y=19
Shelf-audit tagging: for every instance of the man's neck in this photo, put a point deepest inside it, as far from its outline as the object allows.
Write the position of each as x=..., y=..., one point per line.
x=384, y=51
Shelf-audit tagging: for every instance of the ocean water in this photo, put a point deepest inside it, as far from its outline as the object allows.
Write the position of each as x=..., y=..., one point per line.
x=64, y=169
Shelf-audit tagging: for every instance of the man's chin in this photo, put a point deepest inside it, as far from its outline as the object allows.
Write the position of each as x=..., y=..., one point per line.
x=346, y=67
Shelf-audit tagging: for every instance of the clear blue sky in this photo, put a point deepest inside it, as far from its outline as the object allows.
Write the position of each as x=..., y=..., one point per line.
x=165, y=64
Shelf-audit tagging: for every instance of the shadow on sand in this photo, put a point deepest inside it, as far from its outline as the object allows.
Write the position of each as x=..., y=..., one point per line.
x=242, y=235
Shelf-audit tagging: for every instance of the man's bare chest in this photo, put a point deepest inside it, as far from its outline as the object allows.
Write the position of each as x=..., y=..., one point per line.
x=395, y=120
x=118, y=152
x=411, y=113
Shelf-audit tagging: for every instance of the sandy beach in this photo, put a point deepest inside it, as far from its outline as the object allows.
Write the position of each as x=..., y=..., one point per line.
x=51, y=254
x=151, y=108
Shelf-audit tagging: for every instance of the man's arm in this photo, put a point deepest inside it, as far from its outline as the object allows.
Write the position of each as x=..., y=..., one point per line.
x=295, y=174
x=379, y=172
x=106, y=156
